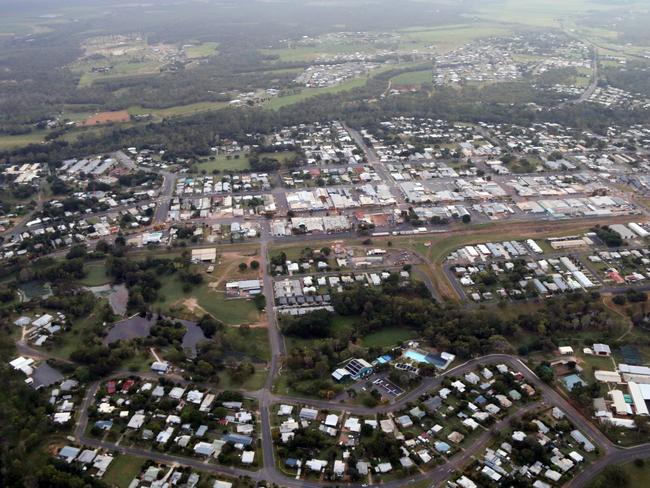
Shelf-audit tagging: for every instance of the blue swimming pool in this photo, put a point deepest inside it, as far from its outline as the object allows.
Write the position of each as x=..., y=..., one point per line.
x=416, y=356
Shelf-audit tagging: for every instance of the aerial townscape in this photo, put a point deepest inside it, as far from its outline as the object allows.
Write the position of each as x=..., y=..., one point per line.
x=312, y=244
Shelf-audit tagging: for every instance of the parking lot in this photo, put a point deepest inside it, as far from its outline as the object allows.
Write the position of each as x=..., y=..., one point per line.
x=387, y=389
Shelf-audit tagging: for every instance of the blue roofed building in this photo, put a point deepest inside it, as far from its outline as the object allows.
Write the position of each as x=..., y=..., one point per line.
x=354, y=368
x=238, y=439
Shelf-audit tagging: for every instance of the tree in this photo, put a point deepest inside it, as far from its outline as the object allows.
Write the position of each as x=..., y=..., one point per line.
x=243, y=267
x=260, y=302
x=209, y=325
x=545, y=372
x=467, y=218
x=255, y=264
x=613, y=475
x=76, y=251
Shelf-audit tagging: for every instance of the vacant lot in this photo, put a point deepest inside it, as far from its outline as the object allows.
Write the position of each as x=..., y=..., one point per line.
x=177, y=110
x=122, y=471
x=107, y=118
x=210, y=297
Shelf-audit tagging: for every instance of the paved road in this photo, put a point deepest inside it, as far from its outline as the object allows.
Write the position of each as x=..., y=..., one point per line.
x=594, y=78
x=594, y=73
x=164, y=199
x=375, y=162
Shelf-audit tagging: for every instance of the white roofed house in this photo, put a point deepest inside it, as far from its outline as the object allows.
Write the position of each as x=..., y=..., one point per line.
x=247, y=457
x=136, y=421
x=43, y=321
x=208, y=255
x=308, y=413
x=244, y=287
x=602, y=350
x=332, y=420
x=204, y=449
x=640, y=394
x=160, y=367
x=339, y=468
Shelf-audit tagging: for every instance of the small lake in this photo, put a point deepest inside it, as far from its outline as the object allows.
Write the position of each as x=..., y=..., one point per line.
x=139, y=327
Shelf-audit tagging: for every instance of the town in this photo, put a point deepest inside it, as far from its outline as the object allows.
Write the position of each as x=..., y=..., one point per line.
x=287, y=245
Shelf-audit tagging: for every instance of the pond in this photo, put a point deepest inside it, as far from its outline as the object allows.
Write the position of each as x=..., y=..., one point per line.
x=139, y=327
x=132, y=328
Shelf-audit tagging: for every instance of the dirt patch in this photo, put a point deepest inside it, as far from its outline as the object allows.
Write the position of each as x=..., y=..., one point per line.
x=54, y=448
x=193, y=306
x=107, y=118
x=258, y=325
x=227, y=268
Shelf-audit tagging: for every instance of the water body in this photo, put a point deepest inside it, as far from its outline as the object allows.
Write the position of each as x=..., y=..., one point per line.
x=35, y=289
x=132, y=328
x=139, y=327
x=192, y=338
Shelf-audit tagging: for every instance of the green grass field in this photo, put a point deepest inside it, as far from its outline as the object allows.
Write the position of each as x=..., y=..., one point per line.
x=203, y=50
x=390, y=336
x=122, y=471
x=10, y=142
x=282, y=156
x=450, y=37
x=279, y=102
x=639, y=476
x=252, y=383
x=343, y=326
x=222, y=163
x=413, y=78
x=309, y=53
x=65, y=343
x=122, y=67
x=229, y=311
x=178, y=110
x=96, y=274
x=540, y=13
x=252, y=343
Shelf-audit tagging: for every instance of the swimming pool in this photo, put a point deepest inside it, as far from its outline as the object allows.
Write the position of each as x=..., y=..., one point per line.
x=416, y=356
